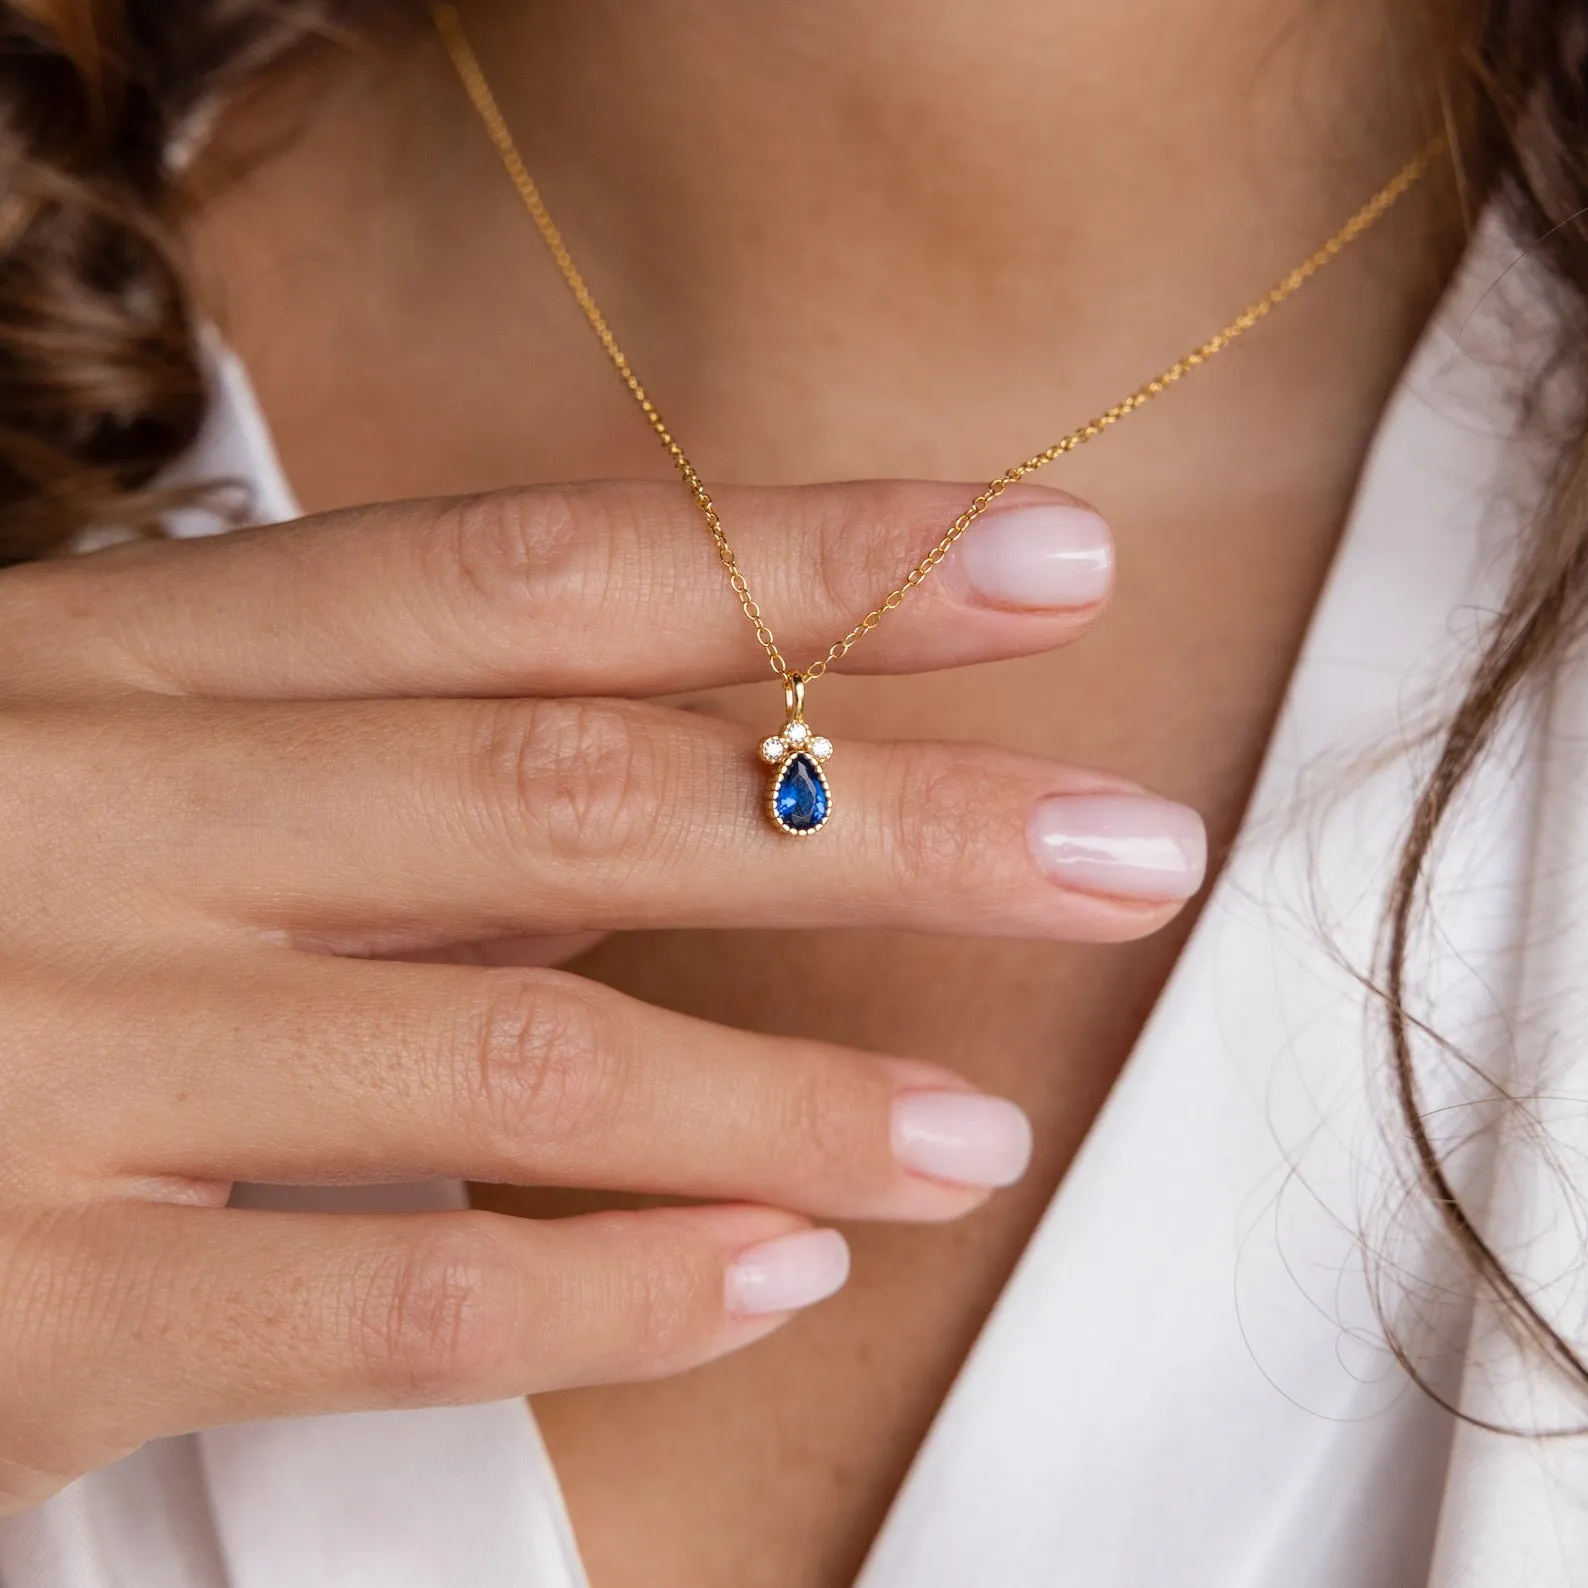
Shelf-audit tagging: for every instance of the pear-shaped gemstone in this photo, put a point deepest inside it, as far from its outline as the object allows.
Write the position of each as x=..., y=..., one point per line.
x=800, y=798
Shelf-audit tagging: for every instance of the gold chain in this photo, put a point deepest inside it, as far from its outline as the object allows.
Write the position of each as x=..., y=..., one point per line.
x=450, y=27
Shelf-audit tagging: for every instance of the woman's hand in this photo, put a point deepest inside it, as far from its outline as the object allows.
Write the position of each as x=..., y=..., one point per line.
x=240, y=777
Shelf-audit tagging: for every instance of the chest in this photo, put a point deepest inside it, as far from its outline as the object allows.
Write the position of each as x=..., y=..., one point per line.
x=789, y=1456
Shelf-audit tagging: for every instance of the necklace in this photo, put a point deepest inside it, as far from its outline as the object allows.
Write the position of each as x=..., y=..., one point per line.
x=799, y=798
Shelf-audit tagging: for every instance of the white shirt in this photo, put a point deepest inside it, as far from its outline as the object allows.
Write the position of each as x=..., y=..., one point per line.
x=1185, y=1382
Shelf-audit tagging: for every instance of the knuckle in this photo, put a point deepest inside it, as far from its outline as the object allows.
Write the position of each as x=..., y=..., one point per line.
x=508, y=550
x=853, y=569
x=824, y=1114
x=585, y=777
x=56, y=1313
x=438, y=1321
x=665, y=1305
x=543, y=1063
x=944, y=817
x=33, y=1281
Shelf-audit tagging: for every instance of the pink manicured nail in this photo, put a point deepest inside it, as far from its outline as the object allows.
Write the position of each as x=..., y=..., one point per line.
x=1037, y=558
x=1130, y=845
x=787, y=1273
x=965, y=1137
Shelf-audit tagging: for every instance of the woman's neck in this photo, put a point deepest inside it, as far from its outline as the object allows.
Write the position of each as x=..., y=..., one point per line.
x=966, y=192
x=944, y=141
x=848, y=239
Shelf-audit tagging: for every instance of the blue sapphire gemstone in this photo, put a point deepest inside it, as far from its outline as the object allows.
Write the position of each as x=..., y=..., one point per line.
x=800, y=798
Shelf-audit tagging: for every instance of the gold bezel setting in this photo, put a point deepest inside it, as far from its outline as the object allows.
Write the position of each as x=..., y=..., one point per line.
x=793, y=753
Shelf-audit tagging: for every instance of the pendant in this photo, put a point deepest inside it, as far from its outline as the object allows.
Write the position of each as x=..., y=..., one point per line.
x=798, y=797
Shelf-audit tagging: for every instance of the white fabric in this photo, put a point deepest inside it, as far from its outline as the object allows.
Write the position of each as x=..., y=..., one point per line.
x=1184, y=1382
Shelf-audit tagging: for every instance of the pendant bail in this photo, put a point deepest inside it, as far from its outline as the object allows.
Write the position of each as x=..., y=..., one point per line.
x=794, y=696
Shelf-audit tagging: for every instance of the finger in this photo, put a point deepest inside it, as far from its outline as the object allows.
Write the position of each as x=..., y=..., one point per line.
x=159, y=1320
x=311, y=1069
x=410, y=823
x=609, y=589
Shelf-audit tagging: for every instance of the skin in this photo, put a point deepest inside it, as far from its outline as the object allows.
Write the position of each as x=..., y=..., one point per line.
x=298, y=708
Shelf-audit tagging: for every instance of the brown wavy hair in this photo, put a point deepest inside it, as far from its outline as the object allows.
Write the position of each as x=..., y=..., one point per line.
x=101, y=385
x=100, y=381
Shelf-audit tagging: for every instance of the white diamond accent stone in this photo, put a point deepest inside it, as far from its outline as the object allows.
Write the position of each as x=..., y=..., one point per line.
x=821, y=747
x=772, y=750
x=796, y=733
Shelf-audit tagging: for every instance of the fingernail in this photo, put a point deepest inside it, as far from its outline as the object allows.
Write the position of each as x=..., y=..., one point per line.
x=965, y=1137
x=1130, y=845
x=787, y=1273
x=1038, y=558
